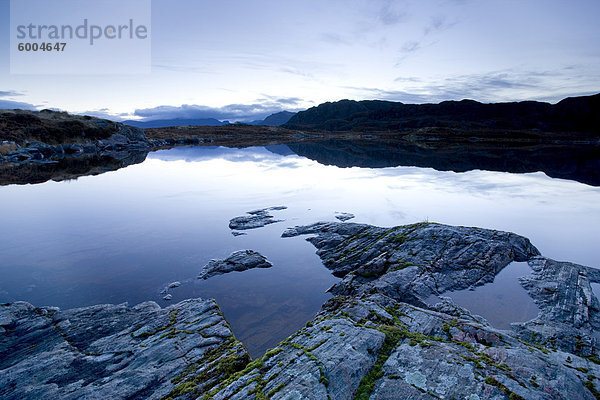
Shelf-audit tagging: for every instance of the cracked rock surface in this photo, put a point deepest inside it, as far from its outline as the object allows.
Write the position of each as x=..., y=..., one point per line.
x=113, y=351
x=376, y=339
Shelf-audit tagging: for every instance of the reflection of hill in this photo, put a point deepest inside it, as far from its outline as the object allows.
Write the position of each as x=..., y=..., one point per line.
x=578, y=163
x=66, y=168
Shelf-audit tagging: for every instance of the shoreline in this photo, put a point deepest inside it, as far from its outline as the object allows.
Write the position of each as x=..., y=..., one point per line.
x=376, y=337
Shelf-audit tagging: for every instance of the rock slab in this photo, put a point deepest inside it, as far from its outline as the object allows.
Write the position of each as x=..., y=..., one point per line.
x=113, y=351
x=255, y=219
x=240, y=260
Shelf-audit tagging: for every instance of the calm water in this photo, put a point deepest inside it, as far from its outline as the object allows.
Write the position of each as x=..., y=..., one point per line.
x=122, y=236
x=502, y=301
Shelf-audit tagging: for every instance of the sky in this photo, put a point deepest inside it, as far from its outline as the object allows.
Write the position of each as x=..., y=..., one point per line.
x=243, y=60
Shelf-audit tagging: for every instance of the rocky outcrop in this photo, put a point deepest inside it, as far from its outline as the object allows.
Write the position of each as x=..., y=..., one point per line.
x=38, y=146
x=375, y=347
x=255, y=219
x=412, y=262
x=343, y=216
x=115, y=351
x=128, y=140
x=378, y=338
x=569, y=317
x=49, y=136
x=240, y=260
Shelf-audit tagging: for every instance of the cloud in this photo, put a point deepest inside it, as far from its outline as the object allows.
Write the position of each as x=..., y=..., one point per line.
x=9, y=93
x=410, y=46
x=494, y=86
x=232, y=112
x=407, y=79
x=8, y=104
x=335, y=38
x=390, y=95
x=438, y=23
x=388, y=14
x=485, y=87
x=105, y=113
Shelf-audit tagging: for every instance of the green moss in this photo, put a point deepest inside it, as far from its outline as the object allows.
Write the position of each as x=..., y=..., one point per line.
x=446, y=329
x=580, y=369
x=467, y=346
x=276, y=389
x=503, y=366
x=593, y=359
x=402, y=265
x=494, y=382
x=589, y=385
x=180, y=390
x=322, y=378
x=533, y=382
x=221, y=363
x=399, y=238
x=272, y=353
x=393, y=335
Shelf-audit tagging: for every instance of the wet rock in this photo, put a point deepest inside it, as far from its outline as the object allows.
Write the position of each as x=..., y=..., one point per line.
x=344, y=216
x=380, y=337
x=114, y=351
x=174, y=284
x=168, y=297
x=236, y=233
x=240, y=260
x=412, y=262
x=570, y=313
x=376, y=347
x=255, y=219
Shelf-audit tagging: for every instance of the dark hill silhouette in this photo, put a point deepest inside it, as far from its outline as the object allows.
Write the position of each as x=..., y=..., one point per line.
x=276, y=119
x=574, y=114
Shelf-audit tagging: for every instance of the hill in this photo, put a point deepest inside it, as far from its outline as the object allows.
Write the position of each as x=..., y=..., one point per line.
x=276, y=119
x=574, y=114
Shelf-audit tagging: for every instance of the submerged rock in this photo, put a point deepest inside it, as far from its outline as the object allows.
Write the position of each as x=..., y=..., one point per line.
x=114, y=351
x=255, y=219
x=240, y=260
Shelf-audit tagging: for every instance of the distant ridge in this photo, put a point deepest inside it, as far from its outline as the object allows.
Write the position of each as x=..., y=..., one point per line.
x=276, y=119
x=164, y=123
x=577, y=114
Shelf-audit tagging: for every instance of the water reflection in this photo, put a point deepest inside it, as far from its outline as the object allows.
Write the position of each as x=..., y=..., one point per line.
x=502, y=301
x=123, y=235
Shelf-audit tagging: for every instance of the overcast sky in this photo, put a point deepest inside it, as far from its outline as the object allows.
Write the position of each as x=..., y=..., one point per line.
x=239, y=59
